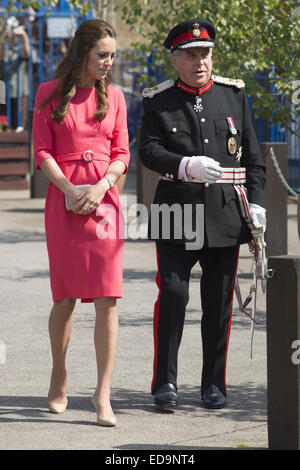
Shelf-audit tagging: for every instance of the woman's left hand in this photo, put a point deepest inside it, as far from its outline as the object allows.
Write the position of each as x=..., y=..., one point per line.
x=92, y=198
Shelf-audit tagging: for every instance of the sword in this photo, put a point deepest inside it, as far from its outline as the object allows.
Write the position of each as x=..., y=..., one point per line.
x=253, y=314
x=243, y=305
x=259, y=272
x=257, y=248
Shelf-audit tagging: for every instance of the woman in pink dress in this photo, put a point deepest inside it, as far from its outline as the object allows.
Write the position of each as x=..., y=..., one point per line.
x=81, y=145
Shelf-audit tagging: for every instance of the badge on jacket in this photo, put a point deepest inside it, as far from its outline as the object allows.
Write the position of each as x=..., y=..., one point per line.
x=231, y=144
x=198, y=107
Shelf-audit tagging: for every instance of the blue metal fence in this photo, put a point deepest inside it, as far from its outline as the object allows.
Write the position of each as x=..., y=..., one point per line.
x=45, y=52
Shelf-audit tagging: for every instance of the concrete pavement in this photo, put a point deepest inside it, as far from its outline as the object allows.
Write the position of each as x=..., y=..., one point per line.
x=25, y=422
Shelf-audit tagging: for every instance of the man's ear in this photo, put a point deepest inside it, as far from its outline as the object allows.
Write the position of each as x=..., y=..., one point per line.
x=173, y=59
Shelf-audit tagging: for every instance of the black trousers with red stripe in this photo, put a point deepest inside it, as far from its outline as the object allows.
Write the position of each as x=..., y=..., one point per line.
x=175, y=263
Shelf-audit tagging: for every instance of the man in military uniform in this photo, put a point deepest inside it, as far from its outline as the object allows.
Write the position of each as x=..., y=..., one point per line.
x=197, y=133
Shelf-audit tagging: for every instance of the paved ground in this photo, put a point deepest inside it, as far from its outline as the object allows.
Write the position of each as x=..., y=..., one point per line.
x=25, y=422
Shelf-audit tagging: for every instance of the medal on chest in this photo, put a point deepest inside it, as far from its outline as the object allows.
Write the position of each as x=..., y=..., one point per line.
x=239, y=155
x=231, y=143
x=198, y=106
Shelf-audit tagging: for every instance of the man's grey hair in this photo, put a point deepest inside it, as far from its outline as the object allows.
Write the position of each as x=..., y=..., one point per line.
x=175, y=53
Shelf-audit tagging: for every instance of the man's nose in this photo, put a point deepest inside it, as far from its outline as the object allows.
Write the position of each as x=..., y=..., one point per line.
x=201, y=59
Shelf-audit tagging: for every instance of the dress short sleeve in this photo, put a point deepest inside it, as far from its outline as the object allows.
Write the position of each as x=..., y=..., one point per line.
x=42, y=127
x=120, y=140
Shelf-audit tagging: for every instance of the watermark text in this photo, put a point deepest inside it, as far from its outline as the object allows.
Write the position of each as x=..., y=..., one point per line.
x=164, y=222
x=296, y=354
x=2, y=92
x=2, y=353
x=296, y=94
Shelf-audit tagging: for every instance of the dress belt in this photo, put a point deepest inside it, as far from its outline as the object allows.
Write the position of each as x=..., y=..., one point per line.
x=86, y=155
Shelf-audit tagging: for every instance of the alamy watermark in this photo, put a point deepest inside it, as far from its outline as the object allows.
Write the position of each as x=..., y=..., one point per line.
x=2, y=92
x=2, y=353
x=296, y=94
x=166, y=222
x=296, y=354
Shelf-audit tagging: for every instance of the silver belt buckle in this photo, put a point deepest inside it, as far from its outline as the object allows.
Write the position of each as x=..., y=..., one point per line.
x=86, y=159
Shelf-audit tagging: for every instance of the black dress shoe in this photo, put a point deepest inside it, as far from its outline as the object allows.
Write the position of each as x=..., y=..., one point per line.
x=213, y=397
x=166, y=396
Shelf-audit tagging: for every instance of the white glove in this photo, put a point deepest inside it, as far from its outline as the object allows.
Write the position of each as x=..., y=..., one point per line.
x=258, y=218
x=204, y=169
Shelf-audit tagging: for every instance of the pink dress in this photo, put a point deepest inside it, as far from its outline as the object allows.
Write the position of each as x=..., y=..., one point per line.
x=85, y=251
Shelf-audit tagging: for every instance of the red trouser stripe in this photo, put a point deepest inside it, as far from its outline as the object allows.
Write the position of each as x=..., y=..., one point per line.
x=155, y=321
x=229, y=325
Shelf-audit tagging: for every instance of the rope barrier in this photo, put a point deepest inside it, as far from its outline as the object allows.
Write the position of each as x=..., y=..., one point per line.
x=278, y=170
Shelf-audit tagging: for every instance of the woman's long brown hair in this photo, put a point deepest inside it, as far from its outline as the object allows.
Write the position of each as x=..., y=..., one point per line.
x=74, y=63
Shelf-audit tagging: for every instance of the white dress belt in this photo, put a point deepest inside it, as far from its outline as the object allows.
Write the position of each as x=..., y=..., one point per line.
x=235, y=176
x=230, y=175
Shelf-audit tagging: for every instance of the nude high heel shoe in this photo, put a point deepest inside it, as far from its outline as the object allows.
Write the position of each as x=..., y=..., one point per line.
x=57, y=408
x=105, y=421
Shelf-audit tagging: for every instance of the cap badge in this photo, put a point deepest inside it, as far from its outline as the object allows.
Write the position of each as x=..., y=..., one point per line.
x=196, y=31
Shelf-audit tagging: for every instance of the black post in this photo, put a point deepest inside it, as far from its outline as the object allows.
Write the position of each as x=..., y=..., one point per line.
x=283, y=353
x=276, y=233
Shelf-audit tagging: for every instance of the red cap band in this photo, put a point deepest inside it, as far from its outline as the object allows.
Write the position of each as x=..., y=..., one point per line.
x=190, y=36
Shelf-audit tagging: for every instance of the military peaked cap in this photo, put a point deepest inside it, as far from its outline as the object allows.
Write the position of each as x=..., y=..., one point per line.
x=191, y=33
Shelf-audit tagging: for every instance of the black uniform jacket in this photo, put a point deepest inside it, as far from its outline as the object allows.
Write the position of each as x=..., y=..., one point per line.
x=172, y=129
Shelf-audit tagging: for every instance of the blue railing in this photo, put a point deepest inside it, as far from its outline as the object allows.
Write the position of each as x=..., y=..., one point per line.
x=40, y=63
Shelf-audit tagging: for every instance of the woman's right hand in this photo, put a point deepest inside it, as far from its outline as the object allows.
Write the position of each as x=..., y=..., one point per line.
x=74, y=195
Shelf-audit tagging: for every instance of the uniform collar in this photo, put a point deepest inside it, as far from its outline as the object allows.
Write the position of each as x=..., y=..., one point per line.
x=192, y=90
